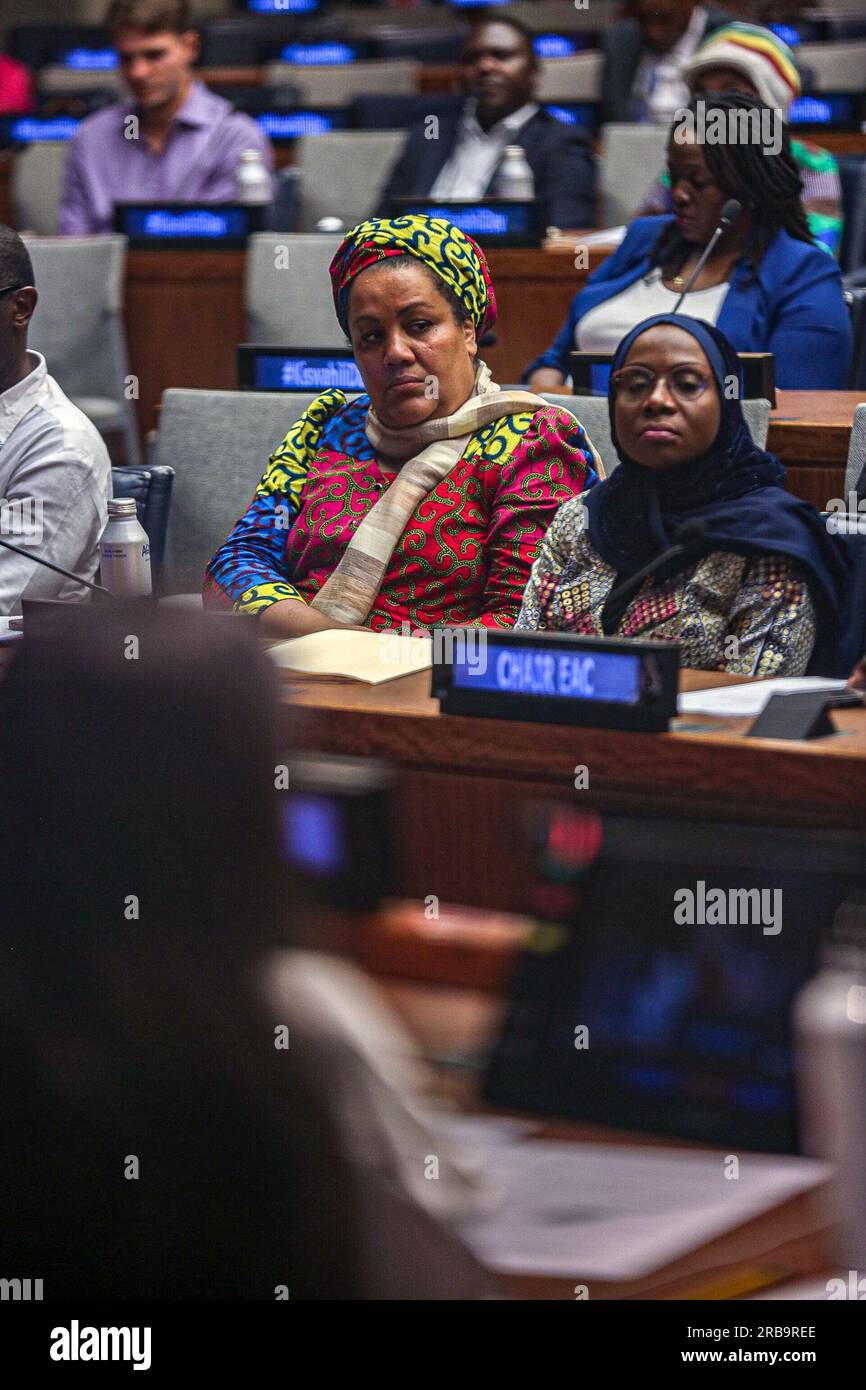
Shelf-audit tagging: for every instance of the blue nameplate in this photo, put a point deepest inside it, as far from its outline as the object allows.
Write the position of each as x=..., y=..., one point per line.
x=37, y=130
x=222, y=226
x=496, y=221
x=281, y=126
x=318, y=54
x=282, y=6
x=836, y=108
x=296, y=369
x=90, y=59
x=583, y=114
x=556, y=678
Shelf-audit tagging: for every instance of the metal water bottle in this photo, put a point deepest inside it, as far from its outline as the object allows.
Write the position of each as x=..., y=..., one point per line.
x=252, y=180
x=124, y=551
x=830, y=1048
x=514, y=177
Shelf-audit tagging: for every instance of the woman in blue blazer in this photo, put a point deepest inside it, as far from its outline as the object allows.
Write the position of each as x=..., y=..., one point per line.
x=766, y=286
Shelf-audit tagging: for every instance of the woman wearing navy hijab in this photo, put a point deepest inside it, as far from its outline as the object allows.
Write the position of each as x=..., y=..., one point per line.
x=761, y=581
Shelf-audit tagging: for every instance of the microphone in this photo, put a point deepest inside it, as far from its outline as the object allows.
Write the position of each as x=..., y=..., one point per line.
x=687, y=537
x=58, y=569
x=732, y=209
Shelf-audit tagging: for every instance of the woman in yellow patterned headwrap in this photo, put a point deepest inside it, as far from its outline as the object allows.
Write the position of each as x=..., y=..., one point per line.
x=424, y=500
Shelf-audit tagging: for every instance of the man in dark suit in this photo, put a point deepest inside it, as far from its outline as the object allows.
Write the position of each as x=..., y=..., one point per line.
x=459, y=156
x=644, y=58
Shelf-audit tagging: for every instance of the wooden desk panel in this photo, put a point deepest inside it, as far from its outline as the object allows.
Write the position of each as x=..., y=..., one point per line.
x=463, y=783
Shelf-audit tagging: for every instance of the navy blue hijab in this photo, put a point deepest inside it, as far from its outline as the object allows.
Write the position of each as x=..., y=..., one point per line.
x=735, y=489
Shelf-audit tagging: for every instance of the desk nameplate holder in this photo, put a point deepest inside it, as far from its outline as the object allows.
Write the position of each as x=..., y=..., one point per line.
x=802, y=714
x=556, y=678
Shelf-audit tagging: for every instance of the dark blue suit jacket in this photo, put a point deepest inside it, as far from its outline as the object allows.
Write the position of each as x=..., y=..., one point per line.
x=795, y=309
x=559, y=155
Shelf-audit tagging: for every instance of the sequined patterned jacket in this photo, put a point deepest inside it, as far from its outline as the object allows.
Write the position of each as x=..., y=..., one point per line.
x=466, y=553
x=748, y=615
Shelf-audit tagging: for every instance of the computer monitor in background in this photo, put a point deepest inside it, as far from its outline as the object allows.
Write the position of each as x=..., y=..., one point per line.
x=661, y=1000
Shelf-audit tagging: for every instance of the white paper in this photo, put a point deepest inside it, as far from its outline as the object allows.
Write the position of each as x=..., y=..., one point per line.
x=7, y=634
x=750, y=697
x=608, y=236
x=371, y=657
x=614, y=1212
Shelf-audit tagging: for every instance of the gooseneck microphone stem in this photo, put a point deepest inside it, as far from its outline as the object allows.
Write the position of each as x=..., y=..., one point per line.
x=731, y=210
x=687, y=538
x=58, y=569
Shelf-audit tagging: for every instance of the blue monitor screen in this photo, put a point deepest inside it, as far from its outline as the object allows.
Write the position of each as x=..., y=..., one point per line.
x=332, y=54
x=291, y=125
x=90, y=59
x=510, y=219
x=300, y=373
x=313, y=833
x=30, y=130
x=567, y=673
x=787, y=33
x=282, y=6
x=580, y=113
x=195, y=223
x=822, y=110
x=553, y=46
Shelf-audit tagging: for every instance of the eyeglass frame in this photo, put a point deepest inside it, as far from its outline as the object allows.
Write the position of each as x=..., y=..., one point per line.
x=656, y=377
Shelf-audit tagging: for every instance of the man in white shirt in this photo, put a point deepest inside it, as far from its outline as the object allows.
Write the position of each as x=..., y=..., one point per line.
x=55, y=473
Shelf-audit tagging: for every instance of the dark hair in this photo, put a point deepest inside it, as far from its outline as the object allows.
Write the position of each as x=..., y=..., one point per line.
x=481, y=18
x=768, y=185
x=150, y=16
x=459, y=311
x=16, y=267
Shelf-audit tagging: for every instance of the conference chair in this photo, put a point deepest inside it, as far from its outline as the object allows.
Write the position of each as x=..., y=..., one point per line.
x=151, y=488
x=571, y=79
x=58, y=81
x=287, y=291
x=78, y=325
x=218, y=443
x=592, y=412
x=855, y=298
x=852, y=176
x=631, y=158
x=855, y=469
x=835, y=67
x=326, y=85
x=36, y=186
x=343, y=173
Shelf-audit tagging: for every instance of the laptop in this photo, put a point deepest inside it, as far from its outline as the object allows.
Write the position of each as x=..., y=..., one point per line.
x=267, y=368
x=660, y=999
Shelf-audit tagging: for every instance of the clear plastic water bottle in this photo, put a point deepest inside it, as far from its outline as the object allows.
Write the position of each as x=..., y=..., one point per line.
x=830, y=1042
x=514, y=177
x=124, y=551
x=252, y=180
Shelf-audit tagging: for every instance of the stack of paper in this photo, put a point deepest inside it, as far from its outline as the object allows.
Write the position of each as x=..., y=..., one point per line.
x=344, y=654
x=742, y=701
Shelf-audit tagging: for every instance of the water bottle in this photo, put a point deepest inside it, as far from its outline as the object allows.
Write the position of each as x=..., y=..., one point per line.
x=830, y=1048
x=252, y=180
x=124, y=551
x=514, y=178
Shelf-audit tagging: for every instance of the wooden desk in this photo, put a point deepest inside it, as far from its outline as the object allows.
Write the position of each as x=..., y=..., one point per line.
x=463, y=783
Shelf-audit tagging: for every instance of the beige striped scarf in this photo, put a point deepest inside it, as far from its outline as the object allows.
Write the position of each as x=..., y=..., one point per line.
x=431, y=450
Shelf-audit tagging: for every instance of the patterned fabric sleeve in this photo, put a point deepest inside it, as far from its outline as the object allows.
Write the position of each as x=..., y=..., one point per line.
x=551, y=464
x=772, y=622
x=248, y=572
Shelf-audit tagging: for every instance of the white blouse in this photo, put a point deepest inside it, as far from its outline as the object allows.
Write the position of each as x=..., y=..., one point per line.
x=602, y=329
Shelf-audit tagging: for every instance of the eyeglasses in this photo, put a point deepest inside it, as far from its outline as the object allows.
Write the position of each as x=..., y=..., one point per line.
x=634, y=384
x=7, y=288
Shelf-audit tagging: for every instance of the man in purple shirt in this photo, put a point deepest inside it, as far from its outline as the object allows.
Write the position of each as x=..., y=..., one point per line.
x=174, y=142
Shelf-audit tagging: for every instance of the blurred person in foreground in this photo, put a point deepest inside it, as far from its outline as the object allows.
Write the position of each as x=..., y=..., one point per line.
x=500, y=75
x=16, y=87
x=423, y=500
x=55, y=473
x=645, y=56
x=156, y=1140
x=760, y=585
x=175, y=141
x=766, y=285
x=746, y=58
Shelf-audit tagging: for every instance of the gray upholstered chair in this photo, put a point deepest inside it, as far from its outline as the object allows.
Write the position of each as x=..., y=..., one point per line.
x=631, y=158
x=78, y=325
x=218, y=443
x=287, y=291
x=336, y=85
x=855, y=471
x=343, y=173
x=36, y=185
